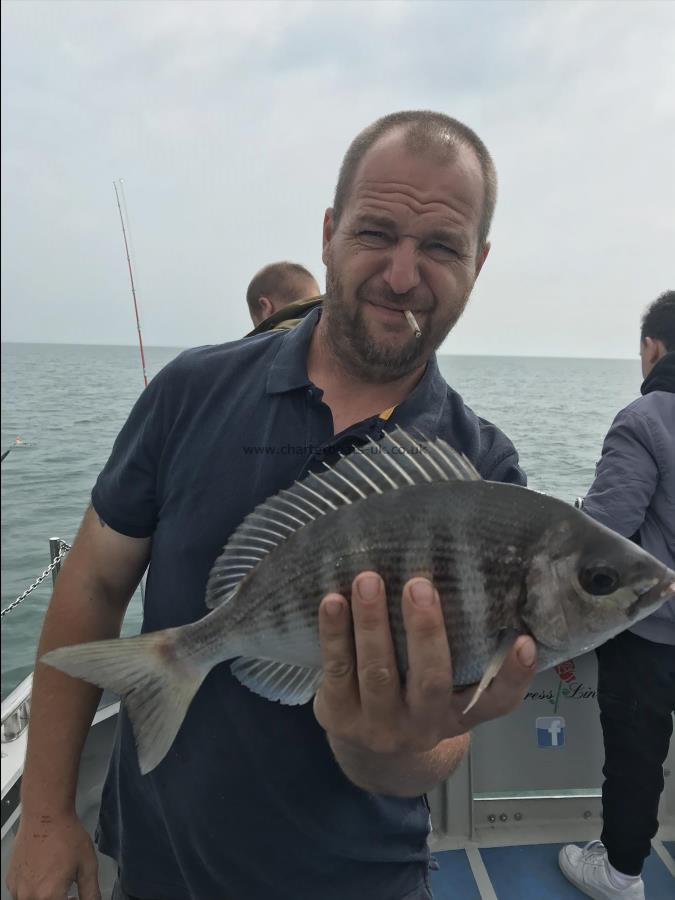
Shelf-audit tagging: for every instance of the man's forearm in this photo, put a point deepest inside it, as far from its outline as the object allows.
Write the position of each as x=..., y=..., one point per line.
x=400, y=774
x=62, y=707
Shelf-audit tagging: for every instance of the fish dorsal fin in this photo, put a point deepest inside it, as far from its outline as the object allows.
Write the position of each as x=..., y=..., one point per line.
x=396, y=461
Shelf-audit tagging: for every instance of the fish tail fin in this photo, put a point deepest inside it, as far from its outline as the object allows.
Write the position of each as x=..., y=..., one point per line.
x=156, y=685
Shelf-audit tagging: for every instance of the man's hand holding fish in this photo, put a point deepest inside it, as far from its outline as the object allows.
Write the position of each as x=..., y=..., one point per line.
x=391, y=738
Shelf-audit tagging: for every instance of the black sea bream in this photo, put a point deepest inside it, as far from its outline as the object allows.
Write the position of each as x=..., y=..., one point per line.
x=505, y=560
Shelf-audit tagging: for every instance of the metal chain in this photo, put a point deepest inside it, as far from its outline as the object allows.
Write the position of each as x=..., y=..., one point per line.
x=29, y=590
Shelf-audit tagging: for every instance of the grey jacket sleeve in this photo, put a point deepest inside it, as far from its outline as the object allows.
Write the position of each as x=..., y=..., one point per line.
x=625, y=477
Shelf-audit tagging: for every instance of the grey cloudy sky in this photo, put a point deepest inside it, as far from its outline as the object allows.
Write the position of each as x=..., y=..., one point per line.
x=228, y=121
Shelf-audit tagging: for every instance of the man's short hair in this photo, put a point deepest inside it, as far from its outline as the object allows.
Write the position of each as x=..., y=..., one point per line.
x=658, y=322
x=282, y=282
x=425, y=133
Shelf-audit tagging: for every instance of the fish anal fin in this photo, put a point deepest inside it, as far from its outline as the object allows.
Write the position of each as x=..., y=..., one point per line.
x=289, y=684
x=506, y=642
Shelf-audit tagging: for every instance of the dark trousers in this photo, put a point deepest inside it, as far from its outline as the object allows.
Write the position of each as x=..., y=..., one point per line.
x=636, y=694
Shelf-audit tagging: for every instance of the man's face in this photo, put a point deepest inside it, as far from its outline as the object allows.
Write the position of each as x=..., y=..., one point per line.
x=644, y=359
x=407, y=239
x=651, y=351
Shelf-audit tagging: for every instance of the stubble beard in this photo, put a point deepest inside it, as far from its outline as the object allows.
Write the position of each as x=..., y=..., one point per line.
x=362, y=355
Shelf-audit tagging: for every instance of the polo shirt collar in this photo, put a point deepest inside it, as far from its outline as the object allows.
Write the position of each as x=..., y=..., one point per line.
x=289, y=369
x=422, y=408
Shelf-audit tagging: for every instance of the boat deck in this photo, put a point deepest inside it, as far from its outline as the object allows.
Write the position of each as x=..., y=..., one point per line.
x=498, y=822
x=530, y=872
x=473, y=871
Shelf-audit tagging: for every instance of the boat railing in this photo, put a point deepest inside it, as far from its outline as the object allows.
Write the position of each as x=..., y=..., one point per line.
x=16, y=711
x=16, y=706
x=58, y=550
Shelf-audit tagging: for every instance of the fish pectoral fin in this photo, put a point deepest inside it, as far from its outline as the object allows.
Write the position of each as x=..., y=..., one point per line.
x=155, y=690
x=506, y=641
x=289, y=684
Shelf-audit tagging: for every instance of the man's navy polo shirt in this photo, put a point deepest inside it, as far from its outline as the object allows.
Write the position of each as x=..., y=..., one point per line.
x=249, y=803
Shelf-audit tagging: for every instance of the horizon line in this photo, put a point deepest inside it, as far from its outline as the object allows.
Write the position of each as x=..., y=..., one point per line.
x=178, y=347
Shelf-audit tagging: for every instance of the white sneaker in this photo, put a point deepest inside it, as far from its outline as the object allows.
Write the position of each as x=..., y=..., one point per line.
x=586, y=868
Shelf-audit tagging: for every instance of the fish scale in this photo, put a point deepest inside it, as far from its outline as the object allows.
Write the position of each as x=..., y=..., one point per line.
x=505, y=560
x=299, y=570
x=455, y=518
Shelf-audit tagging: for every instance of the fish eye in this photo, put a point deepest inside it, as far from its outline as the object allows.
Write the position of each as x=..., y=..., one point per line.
x=599, y=580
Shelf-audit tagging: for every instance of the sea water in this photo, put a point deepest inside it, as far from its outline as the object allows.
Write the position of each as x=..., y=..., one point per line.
x=66, y=403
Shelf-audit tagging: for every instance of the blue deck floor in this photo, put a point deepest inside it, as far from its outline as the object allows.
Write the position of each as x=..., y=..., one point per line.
x=530, y=873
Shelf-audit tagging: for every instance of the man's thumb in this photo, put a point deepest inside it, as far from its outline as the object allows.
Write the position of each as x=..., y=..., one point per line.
x=87, y=882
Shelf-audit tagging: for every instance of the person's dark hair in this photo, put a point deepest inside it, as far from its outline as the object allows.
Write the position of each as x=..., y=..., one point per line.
x=659, y=320
x=425, y=132
x=280, y=281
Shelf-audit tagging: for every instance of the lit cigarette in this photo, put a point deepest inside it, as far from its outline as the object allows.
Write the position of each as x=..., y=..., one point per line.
x=412, y=321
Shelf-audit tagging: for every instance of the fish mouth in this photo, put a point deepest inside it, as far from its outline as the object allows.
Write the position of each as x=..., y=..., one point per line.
x=656, y=593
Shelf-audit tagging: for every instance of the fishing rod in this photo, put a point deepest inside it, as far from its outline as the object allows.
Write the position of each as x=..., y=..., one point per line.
x=131, y=278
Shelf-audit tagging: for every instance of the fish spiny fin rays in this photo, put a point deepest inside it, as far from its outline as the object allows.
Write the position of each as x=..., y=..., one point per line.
x=261, y=531
x=506, y=641
x=291, y=685
x=397, y=460
x=450, y=460
x=155, y=686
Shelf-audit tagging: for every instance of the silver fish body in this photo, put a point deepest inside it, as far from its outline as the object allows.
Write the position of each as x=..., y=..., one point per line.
x=481, y=543
x=505, y=561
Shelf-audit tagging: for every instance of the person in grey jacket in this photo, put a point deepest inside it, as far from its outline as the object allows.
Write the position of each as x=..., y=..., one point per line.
x=634, y=494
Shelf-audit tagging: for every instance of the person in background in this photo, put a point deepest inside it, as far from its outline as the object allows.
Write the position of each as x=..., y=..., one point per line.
x=277, y=285
x=258, y=800
x=634, y=494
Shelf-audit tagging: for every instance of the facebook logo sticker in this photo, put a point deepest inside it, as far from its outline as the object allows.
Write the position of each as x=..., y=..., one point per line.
x=550, y=731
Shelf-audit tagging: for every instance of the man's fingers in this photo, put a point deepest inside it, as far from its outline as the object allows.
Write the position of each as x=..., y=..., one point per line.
x=429, y=676
x=508, y=687
x=339, y=689
x=379, y=680
x=87, y=882
x=518, y=670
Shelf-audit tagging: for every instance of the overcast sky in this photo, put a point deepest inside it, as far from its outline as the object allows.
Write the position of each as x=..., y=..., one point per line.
x=228, y=121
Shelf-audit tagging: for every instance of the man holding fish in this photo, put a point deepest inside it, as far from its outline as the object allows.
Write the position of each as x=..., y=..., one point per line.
x=432, y=579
